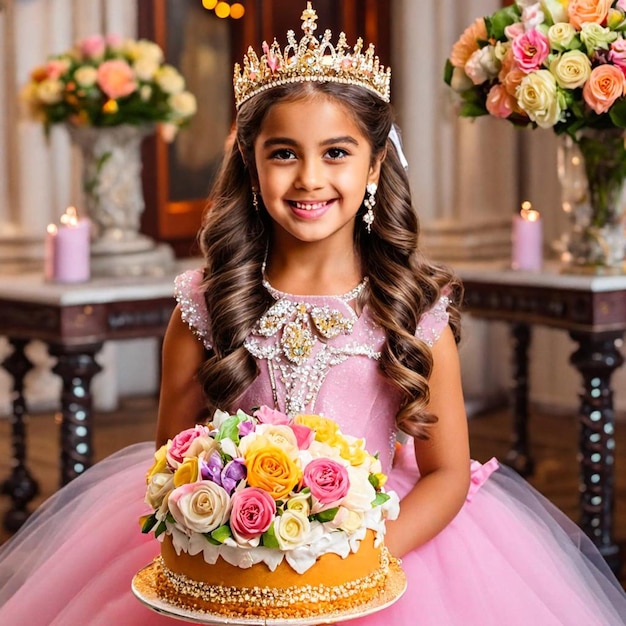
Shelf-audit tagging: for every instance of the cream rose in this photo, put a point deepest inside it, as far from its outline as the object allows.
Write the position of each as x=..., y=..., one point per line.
x=362, y=492
x=482, y=65
x=571, y=69
x=145, y=68
x=537, y=95
x=281, y=436
x=160, y=485
x=50, y=91
x=201, y=507
x=561, y=35
x=291, y=529
x=300, y=502
x=86, y=76
x=144, y=49
x=169, y=79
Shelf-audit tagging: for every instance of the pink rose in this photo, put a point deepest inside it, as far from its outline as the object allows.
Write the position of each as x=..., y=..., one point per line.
x=113, y=40
x=176, y=451
x=499, y=102
x=327, y=480
x=92, y=47
x=252, y=512
x=55, y=68
x=621, y=5
x=116, y=78
x=304, y=435
x=265, y=415
x=514, y=30
x=617, y=55
x=530, y=50
x=605, y=85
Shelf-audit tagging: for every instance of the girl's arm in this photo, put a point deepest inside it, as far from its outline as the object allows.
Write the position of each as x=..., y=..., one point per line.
x=443, y=460
x=180, y=399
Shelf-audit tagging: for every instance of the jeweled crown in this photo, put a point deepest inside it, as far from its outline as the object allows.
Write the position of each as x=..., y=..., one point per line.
x=310, y=60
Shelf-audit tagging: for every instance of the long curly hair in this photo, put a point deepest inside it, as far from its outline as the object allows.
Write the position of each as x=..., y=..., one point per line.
x=235, y=236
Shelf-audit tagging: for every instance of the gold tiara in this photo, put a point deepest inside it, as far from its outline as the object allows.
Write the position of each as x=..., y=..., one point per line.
x=310, y=60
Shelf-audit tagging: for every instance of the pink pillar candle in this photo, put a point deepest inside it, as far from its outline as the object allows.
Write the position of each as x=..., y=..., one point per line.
x=527, y=240
x=68, y=249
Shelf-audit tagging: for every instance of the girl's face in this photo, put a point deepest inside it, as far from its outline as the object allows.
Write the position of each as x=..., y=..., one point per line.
x=313, y=164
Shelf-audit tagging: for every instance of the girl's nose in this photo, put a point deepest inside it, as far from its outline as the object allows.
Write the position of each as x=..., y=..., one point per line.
x=310, y=175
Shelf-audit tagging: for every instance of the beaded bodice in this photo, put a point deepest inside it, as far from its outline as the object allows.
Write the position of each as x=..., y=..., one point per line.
x=315, y=354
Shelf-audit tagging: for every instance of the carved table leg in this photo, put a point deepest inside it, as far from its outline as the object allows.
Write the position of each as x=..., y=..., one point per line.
x=76, y=365
x=596, y=359
x=20, y=485
x=518, y=457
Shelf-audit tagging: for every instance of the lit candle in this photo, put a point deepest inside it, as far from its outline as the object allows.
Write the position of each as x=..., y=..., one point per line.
x=527, y=239
x=67, y=249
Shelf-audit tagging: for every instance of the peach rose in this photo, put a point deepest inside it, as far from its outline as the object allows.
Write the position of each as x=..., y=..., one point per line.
x=588, y=11
x=605, y=85
x=117, y=79
x=500, y=103
x=468, y=43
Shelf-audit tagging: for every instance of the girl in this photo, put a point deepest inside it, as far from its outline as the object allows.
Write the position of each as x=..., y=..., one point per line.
x=314, y=297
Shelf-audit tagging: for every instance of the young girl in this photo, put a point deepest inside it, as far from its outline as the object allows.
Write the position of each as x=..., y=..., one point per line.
x=314, y=298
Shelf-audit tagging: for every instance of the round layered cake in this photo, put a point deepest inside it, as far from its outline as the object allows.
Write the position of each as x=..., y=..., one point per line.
x=269, y=517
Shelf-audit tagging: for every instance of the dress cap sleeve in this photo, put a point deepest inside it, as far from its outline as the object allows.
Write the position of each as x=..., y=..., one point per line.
x=433, y=321
x=189, y=295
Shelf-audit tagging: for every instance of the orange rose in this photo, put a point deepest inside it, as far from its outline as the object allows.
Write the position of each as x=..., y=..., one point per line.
x=468, y=43
x=270, y=469
x=605, y=85
x=588, y=11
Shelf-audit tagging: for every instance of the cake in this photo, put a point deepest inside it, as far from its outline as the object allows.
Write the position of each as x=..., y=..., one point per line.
x=269, y=517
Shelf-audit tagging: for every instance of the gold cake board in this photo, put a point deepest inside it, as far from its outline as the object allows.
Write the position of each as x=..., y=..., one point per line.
x=144, y=588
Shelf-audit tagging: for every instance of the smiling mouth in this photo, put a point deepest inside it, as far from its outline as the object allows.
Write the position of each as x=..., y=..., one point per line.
x=309, y=206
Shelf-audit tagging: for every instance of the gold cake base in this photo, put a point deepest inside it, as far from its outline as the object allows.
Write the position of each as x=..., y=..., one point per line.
x=144, y=587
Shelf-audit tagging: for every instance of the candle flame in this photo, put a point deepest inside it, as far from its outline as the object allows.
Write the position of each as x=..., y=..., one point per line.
x=528, y=213
x=70, y=217
x=52, y=229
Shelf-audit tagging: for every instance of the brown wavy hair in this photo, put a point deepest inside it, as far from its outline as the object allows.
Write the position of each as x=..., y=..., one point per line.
x=235, y=237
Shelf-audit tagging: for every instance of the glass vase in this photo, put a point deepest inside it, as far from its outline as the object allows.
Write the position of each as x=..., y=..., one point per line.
x=592, y=172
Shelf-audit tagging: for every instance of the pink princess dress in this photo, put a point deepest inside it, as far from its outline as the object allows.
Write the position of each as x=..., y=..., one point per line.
x=509, y=558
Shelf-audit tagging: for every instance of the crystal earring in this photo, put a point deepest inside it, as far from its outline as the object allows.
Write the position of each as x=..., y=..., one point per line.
x=370, y=202
x=255, y=201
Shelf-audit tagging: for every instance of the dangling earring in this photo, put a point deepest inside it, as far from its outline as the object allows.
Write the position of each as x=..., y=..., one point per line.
x=255, y=201
x=370, y=202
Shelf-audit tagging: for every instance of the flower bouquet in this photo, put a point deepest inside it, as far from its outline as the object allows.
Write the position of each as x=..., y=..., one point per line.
x=107, y=81
x=278, y=487
x=558, y=64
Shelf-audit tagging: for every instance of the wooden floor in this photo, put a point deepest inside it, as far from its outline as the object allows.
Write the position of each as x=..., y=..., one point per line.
x=554, y=445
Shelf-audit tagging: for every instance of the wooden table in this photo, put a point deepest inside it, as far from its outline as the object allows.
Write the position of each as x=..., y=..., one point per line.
x=592, y=309
x=74, y=321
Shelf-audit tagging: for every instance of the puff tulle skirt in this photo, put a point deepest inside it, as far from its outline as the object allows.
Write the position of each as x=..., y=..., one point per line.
x=509, y=558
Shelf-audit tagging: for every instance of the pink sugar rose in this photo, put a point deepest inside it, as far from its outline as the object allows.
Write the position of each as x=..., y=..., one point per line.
x=605, y=85
x=116, y=78
x=92, y=47
x=617, y=55
x=530, y=50
x=327, y=480
x=304, y=435
x=500, y=103
x=252, y=512
x=182, y=441
x=265, y=415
